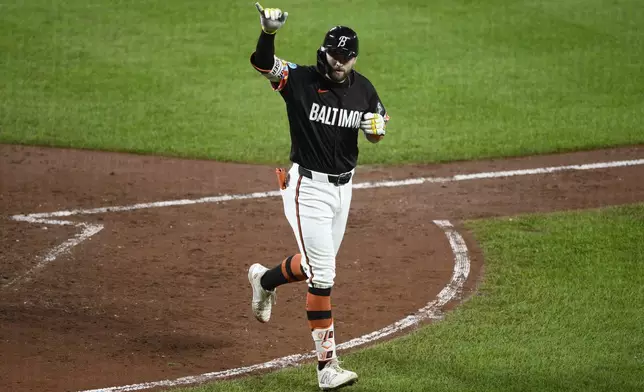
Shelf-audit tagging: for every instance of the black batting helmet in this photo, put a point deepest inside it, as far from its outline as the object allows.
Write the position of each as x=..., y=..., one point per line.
x=339, y=41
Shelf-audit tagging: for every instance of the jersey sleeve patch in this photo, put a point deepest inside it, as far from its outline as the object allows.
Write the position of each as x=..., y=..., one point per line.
x=381, y=111
x=278, y=74
x=283, y=78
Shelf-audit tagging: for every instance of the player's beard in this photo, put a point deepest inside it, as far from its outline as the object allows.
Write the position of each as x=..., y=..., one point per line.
x=337, y=75
x=338, y=72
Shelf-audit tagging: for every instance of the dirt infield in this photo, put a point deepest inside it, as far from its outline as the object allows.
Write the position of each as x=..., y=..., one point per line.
x=161, y=292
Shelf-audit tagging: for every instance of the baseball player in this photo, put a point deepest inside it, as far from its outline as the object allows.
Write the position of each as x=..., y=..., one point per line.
x=327, y=105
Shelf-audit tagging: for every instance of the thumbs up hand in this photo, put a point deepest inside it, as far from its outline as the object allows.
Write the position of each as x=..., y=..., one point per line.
x=272, y=19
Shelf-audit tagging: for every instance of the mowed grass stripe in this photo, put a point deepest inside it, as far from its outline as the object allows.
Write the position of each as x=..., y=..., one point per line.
x=461, y=80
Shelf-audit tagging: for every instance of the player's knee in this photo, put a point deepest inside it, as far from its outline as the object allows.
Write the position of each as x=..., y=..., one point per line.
x=323, y=278
x=323, y=285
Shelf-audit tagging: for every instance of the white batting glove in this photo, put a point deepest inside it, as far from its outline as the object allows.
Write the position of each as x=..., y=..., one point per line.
x=272, y=19
x=372, y=124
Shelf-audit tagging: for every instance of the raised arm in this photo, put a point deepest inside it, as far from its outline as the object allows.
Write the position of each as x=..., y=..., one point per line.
x=264, y=56
x=263, y=59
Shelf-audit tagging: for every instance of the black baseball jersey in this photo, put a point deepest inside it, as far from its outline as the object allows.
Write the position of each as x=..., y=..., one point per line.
x=324, y=116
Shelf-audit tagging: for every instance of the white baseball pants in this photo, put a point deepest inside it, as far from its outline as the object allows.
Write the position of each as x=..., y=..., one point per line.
x=317, y=211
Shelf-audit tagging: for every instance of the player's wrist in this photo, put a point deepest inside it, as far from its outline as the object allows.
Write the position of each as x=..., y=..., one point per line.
x=374, y=138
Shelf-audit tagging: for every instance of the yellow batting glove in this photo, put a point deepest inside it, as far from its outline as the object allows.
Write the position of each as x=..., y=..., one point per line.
x=272, y=19
x=373, y=124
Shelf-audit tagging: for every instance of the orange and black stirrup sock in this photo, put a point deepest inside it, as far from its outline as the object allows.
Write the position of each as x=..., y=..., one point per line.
x=289, y=270
x=318, y=312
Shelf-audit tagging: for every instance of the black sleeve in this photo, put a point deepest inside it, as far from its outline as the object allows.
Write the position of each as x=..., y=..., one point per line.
x=263, y=58
x=276, y=70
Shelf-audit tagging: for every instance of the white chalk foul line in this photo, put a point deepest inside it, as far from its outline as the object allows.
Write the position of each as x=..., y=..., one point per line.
x=86, y=231
x=499, y=174
x=364, y=185
x=140, y=206
x=432, y=310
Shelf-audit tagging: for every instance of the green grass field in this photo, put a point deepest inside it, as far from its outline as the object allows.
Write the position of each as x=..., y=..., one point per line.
x=561, y=305
x=561, y=308
x=461, y=79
